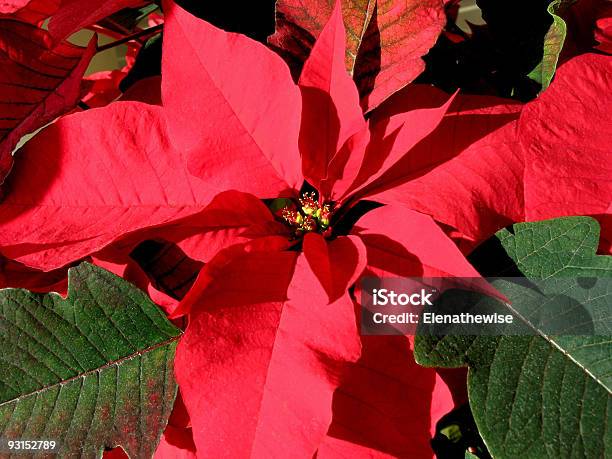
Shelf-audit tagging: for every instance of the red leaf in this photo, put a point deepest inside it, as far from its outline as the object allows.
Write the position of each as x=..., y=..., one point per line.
x=67, y=199
x=16, y=275
x=245, y=258
x=238, y=144
x=566, y=134
x=589, y=25
x=467, y=173
x=104, y=85
x=402, y=242
x=176, y=443
x=39, y=82
x=331, y=112
x=231, y=218
x=386, y=39
x=391, y=138
x=387, y=406
x=73, y=15
x=337, y=264
x=270, y=368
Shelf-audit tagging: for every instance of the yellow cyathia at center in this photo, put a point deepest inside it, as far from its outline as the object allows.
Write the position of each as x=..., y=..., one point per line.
x=311, y=216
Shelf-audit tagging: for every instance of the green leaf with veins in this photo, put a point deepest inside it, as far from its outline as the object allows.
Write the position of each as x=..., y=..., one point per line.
x=553, y=44
x=91, y=371
x=539, y=396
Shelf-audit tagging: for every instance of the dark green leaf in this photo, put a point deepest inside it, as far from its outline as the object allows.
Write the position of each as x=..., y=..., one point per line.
x=91, y=371
x=539, y=396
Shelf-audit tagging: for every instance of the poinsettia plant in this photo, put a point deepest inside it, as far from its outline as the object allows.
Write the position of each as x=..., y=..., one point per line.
x=184, y=242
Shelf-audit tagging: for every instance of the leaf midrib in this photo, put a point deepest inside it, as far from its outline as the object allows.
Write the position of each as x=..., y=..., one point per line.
x=551, y=341
x=87, y=373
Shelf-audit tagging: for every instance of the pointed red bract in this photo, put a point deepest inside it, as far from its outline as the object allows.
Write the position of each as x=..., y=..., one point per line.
x=331, y=112
x=249, y=259
x=337, y=264
x=91, y=178
x=284, y=356
x=104, y=88
x=231, y=217
x=387, y=405
x=402, y=242
x=603, y=30
x=240, y=122
x=39, y=82
x=468, y=173
x=391, y=138
x=566, y=135
x=104, y=85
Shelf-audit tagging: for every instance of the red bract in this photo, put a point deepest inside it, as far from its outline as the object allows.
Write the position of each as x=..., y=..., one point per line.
x=385, y=39
x=566, y=135
x=39, y=82
x=472, y=164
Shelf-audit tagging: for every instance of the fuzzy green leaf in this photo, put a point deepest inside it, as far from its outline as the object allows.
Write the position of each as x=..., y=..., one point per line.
x=90, y=371
x=539, y=396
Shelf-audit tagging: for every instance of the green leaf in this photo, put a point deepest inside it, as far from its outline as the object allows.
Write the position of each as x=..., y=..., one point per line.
x=562, y=247
x=553, y=44
x=90, y=371
x=539, y=396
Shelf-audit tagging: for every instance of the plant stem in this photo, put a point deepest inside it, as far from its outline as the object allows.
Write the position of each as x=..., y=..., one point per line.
x=143, y=33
